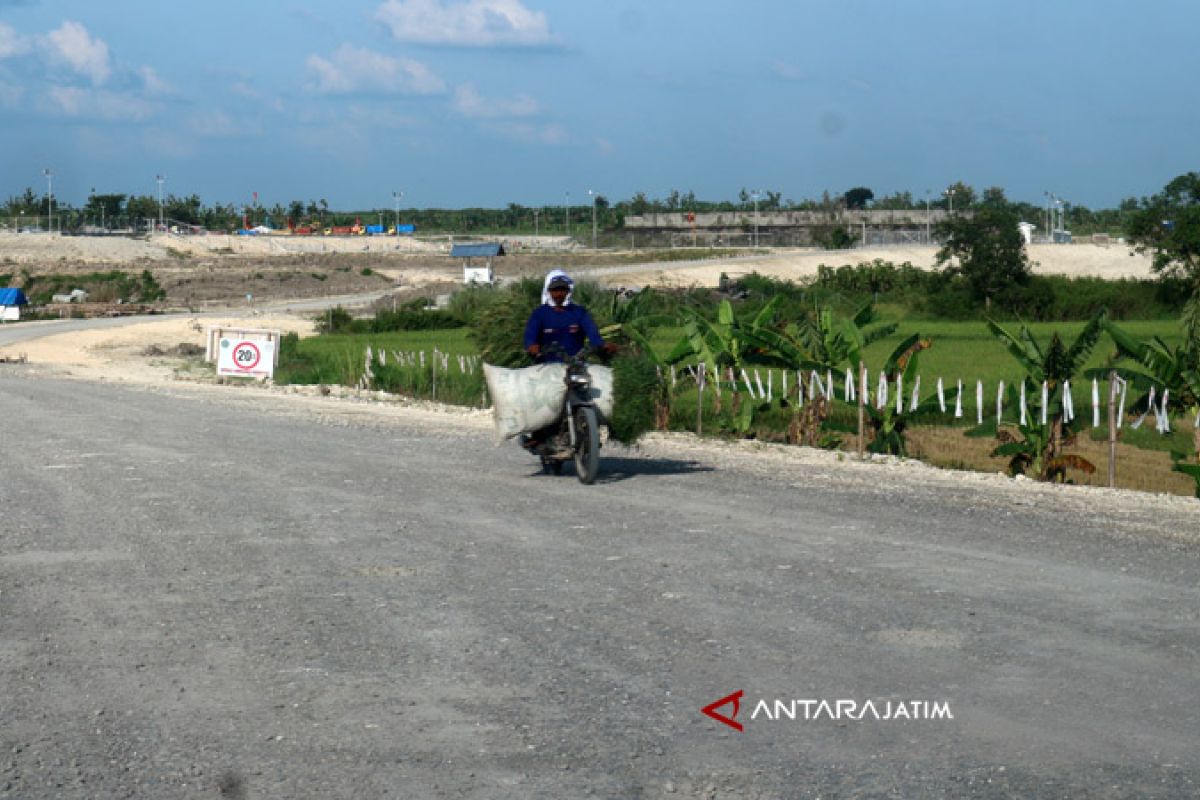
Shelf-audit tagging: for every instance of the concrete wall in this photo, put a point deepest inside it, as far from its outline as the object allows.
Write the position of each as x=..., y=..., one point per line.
x=787, y=219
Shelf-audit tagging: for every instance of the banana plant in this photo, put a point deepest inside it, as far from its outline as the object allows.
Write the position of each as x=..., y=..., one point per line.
x=1176, y=369
x=1031, y=452
x=888, y=424
x=1054, y=365
x=728, y=343
x=825, y=340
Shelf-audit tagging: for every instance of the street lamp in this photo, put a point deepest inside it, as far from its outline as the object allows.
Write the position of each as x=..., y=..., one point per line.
x=535, y=223
x=755, y=194
x=396, y=197
x=593, y=196
x=950, y=197
x=928, y=213
x=49, y=199
x=159, y=179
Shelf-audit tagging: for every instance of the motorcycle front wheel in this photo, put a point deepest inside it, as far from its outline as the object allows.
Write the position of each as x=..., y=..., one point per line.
x=587, y=444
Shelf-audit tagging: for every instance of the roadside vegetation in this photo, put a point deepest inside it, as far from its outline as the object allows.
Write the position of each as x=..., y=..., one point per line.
x=983, y=318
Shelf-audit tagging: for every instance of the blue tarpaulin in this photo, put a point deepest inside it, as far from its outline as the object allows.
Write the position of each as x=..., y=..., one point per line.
x=13, y=297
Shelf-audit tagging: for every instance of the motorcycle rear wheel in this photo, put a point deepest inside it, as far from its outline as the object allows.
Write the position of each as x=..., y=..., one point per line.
x=587, y=444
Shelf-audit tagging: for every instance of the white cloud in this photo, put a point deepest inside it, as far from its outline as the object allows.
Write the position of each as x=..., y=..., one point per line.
x=530, y=134
x=469, y=103
x=213, y=124
x=11, y=42
x=72, y=45
x=354, y=70
x=472, y=23
x=72, y=101
x=151, y=82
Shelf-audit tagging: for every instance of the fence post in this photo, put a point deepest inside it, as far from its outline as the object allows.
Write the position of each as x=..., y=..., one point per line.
x=433, y=367
x=861, y=423
x=1112, y=430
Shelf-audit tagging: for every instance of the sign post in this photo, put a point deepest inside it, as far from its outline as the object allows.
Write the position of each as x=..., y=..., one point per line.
x=244, y=353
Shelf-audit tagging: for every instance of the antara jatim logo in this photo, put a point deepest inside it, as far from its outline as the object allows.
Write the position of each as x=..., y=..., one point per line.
x=735, y=700
x=791, y=709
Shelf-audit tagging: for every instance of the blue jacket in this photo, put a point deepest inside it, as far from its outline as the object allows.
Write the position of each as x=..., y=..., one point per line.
x=568, y=328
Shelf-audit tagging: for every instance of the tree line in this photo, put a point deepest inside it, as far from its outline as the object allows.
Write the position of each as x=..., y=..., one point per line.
x=116, y=211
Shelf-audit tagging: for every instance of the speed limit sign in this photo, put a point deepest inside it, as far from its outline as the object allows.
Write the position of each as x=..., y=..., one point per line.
x=246, y=357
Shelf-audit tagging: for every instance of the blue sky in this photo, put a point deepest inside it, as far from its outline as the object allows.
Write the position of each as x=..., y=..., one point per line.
x=485, y=102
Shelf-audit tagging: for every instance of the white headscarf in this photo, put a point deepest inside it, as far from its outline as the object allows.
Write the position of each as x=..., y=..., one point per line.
x=551, y=275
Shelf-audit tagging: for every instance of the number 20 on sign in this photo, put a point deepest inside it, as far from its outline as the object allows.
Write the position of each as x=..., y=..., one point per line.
x=247, y=358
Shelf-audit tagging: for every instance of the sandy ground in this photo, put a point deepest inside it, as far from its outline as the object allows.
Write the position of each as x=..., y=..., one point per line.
x=25, y=247
x=1113, y=261
x=120, y=354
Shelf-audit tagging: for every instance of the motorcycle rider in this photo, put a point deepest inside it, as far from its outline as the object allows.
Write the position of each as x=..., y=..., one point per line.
x=560, y=322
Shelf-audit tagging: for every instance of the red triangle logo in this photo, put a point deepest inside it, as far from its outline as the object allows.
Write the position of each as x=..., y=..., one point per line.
x=710, y=710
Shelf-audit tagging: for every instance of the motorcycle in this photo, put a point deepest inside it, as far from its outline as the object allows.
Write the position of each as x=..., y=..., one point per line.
x=576, y=434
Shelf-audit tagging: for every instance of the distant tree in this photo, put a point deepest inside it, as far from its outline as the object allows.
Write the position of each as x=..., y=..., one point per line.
x=993, y=196
x=142, y=207
x=858, y=197
x=1168, y=227
x=986, y=248
x=639, y=204
x=900, y=201
x=963, y=196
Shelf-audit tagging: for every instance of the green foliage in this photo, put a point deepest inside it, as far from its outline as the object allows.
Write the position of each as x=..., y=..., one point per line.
x=888, y=423
x=1192, y=470
x=636, y=384
x=1040, y=447
x=1168, y=226
x=987, y=250
x=1176, y=369
x=102, y=287
x=499, y=326
x=335, y=320
x=858, y=197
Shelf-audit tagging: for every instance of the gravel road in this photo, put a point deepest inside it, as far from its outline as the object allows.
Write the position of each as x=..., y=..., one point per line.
x=218, y=592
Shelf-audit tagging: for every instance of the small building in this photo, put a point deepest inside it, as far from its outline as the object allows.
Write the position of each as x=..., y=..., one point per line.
x=11, y=301
x=76, y=296
x=473, y=273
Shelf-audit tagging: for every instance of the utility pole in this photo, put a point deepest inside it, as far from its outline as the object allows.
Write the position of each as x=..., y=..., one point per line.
x=755, y=195
x=49, y=199
x=396, y=197
x=567, y=216
x=593, y=196
x=928, y=239
x=160, y=179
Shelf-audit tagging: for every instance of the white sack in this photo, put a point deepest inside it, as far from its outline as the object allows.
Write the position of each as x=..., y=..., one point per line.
x=524, y=400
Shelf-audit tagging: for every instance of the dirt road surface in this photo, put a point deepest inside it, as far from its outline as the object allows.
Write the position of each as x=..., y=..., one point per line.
x=219, y=592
